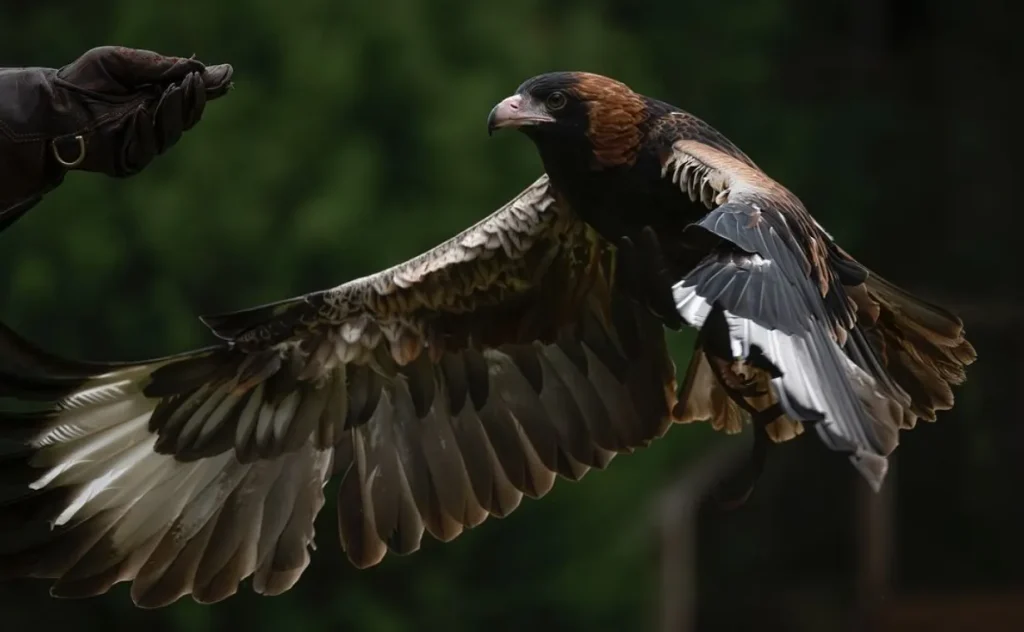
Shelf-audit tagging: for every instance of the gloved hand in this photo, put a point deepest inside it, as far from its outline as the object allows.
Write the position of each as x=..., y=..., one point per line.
x=111, y=111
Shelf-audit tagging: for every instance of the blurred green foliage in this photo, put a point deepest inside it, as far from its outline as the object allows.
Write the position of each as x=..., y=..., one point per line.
x=353, y=140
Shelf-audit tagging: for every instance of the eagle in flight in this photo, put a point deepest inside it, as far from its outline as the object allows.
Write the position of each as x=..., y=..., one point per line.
x=444, y=389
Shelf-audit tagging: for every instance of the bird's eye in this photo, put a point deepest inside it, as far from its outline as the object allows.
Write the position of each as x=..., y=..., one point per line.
x=556, y=101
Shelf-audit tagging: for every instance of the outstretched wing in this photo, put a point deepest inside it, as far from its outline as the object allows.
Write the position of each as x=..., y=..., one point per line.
x=814, y=332
x=441, y=390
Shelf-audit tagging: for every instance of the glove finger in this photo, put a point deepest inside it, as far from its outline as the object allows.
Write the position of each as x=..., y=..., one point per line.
x=217, y=80
x=168, y=118
x=120, y=70
x=194, y=101
x=136, y=67
x=140, y=144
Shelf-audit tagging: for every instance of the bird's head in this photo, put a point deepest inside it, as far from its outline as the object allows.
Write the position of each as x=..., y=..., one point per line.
x=576, y=110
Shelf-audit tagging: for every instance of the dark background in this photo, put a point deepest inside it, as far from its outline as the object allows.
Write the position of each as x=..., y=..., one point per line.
x=355, y=138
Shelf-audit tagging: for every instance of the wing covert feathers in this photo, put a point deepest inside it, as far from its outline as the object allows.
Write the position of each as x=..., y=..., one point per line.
x=440, y=391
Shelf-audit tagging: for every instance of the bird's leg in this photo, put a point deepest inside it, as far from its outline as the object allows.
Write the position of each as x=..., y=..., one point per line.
x=736, y=488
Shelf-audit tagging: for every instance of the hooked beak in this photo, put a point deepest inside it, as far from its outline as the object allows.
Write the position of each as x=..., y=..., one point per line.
x=516, y=111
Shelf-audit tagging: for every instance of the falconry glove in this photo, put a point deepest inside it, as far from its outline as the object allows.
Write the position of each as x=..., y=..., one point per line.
x=111, y=111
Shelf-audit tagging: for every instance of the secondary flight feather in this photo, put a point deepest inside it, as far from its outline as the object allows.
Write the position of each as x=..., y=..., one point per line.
x=443, y=390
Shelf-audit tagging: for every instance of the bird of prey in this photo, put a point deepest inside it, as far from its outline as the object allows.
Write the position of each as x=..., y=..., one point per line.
x=442, y=390
x=792, y=329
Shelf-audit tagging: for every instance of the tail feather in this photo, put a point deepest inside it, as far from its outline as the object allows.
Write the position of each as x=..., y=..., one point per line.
x=923, y=346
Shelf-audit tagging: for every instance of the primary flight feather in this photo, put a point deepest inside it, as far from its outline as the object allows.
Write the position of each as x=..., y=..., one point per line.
x=443, y=390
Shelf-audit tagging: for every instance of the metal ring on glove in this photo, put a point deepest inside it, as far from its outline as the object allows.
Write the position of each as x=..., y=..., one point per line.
x=77, y=161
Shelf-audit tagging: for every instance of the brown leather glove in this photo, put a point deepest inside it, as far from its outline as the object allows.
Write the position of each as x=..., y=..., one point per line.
x=111, y=111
